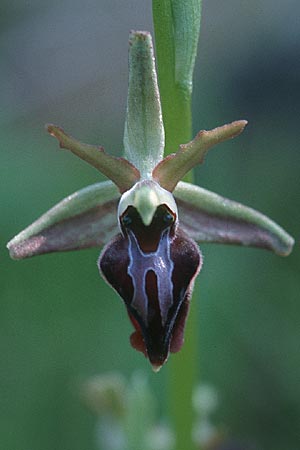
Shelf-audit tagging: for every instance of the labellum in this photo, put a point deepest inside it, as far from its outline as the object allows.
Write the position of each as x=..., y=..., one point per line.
x=147, y=219
x=152, y=264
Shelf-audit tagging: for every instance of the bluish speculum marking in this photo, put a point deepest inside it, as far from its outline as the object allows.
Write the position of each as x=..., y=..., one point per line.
x=161, y=264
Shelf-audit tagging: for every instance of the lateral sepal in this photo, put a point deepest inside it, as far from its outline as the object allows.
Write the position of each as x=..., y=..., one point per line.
x=84, y=219
x=209, y=217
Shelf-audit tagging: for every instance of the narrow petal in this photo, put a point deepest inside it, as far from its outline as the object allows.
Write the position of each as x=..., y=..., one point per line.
x=208, y=217
x=119, y=170
x=84, y=219
x=144, y=132
x=175, y=166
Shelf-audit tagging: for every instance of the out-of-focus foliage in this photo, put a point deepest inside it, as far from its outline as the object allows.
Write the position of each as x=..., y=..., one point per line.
x=66, y=62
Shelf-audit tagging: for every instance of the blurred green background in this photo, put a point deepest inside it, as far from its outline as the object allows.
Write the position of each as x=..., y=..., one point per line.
x=66, y=62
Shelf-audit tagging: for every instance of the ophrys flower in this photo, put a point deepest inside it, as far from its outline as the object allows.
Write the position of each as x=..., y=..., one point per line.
x=148, y=220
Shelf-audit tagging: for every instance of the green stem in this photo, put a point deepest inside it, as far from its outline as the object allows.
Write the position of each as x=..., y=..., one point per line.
x=176, y=25
x=183, y=376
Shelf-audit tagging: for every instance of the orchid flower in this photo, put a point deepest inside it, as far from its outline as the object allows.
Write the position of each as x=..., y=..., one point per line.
x=149, y=222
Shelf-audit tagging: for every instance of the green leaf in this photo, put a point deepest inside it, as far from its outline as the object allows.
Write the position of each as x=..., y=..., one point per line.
x=87, y=218
x=186, y=23
x=144, y=131
x=208, y=217
x=177, y=26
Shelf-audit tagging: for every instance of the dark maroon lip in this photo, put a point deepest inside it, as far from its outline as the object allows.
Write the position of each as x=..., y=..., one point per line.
x=153, y=269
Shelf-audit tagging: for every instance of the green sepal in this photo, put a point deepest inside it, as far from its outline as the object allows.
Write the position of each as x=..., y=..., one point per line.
x=84, y=219
x=144, y=132
x=208, y=217
x=174, y=167
x=119, y=170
